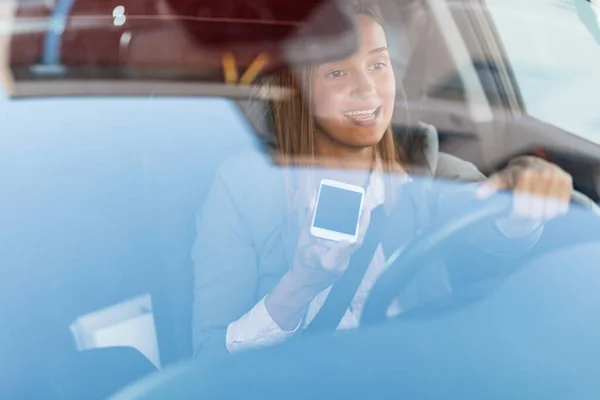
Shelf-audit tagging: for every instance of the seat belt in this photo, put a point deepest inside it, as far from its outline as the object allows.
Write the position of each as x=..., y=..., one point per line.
x=343, y=291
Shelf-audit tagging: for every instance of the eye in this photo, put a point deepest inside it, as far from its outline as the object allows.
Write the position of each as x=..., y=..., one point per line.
x=377, y=66
x=335, y=74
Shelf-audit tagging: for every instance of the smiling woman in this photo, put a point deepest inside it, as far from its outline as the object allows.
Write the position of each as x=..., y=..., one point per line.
x=351, y=101
x=261, y=277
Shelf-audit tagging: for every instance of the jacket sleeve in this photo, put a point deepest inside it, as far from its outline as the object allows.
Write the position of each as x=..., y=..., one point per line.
x=225, y=265
x=453, y=168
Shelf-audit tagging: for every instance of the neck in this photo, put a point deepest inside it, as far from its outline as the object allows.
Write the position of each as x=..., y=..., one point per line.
x=336, y=156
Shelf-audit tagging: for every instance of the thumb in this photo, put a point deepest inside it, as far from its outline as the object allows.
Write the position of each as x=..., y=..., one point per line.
x=337, y=257
x=496, y=182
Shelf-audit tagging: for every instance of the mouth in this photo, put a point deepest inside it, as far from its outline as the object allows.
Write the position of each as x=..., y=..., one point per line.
x=363, y=116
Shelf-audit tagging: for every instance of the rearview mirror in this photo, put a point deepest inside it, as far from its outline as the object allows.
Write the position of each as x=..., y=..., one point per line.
x=162, y=41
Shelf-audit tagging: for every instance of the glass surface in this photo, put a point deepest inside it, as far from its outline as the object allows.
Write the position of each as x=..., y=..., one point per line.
x=555, y=58
x=146, y=208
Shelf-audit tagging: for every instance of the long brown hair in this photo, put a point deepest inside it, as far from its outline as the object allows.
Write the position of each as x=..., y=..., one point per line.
x=293, y=121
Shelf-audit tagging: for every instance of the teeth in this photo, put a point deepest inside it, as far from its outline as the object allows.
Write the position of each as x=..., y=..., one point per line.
x=359, y=112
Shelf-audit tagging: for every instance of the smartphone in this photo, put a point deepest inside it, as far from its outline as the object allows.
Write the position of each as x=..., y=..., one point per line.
x=337, y=212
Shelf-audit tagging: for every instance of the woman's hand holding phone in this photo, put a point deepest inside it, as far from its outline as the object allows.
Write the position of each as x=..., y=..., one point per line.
x=317, y=264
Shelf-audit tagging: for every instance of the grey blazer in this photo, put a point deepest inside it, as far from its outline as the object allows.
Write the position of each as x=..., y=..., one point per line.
x=245, y=242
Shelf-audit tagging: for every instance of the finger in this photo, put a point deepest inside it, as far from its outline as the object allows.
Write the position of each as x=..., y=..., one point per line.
x=305, y=237
x=495, y=183
x=564, y=199
x=337, y=258
x=523, y=200
x=540, y=189
x=313, y=254
x=553, y=196
x=527, y=162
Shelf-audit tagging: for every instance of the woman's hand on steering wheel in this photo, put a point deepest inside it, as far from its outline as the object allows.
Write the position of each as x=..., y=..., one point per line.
x=542, y=190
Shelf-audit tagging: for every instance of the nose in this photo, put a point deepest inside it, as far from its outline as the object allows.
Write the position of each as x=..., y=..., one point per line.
x=364, y=86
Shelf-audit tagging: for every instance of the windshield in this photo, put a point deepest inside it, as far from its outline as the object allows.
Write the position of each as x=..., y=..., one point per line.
x=555, y=58
x=188, y=186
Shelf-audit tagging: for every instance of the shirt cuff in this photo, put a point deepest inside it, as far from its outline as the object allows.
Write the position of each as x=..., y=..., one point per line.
x=255, y=329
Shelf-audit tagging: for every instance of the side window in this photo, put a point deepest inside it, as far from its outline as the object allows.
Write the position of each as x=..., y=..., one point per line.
x=552, y=47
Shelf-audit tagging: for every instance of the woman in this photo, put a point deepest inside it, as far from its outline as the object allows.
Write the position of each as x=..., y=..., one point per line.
x=260, y=276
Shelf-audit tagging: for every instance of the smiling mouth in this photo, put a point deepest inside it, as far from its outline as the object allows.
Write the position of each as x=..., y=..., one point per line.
x=364, y=115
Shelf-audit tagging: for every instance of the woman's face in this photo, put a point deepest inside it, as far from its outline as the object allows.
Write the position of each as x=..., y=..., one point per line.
x=353, y=99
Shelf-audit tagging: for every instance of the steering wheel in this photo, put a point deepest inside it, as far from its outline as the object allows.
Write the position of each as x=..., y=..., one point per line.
x=404, y=265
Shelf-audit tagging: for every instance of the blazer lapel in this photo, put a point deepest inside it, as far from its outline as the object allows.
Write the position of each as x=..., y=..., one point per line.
x=290, y=234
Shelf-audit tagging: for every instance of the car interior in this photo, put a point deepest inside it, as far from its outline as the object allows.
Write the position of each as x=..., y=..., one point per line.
x=104, y=164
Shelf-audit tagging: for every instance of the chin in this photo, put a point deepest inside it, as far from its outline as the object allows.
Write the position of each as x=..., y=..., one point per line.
x=352, y=136
x=368, y=139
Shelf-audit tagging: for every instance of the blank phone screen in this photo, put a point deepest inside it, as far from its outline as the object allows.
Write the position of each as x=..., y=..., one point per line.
x=338, y=210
